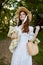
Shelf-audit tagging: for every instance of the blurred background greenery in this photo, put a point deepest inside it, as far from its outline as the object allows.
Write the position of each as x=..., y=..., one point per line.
x=7, y=18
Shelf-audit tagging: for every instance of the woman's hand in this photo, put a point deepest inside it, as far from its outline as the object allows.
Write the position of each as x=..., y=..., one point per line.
x=14, y=35
x=38, y=28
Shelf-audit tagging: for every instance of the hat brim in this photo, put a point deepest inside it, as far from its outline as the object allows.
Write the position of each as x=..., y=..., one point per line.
x=24, y=10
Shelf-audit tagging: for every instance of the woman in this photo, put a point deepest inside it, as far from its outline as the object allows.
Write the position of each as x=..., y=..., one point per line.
x=20, y=55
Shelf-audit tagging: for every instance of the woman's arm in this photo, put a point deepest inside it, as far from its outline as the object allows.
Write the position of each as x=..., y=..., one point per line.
x=36, y=33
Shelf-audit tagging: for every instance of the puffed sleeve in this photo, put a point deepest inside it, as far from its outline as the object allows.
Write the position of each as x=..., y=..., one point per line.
x=31, y=33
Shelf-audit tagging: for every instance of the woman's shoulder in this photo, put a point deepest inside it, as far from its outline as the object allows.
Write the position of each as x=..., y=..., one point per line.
x=16, y=27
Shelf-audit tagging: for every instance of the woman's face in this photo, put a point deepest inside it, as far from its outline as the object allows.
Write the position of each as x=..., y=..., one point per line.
x=22, y=16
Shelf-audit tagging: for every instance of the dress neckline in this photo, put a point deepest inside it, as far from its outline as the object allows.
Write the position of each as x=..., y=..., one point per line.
x=21, y=30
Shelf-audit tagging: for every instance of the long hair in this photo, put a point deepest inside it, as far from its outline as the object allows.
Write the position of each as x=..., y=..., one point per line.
x=26, y=24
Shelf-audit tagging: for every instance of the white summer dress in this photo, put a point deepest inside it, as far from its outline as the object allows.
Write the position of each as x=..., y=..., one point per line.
x=20, y=55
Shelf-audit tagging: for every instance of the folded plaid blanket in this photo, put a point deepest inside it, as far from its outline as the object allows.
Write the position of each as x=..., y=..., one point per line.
x=13, y=45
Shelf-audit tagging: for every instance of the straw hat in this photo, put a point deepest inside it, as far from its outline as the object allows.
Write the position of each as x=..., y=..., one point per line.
x=24, y=10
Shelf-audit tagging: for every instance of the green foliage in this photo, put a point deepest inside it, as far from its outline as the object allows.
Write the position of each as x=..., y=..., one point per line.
x=35, y=6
